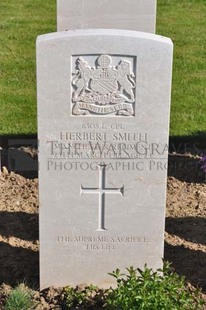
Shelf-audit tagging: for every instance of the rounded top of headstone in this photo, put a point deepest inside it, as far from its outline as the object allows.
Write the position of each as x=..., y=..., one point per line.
x=104, y=61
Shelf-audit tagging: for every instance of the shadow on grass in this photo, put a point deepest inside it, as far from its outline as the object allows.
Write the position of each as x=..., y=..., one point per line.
x=19, y=154
x=194, y=143
x=7, y=141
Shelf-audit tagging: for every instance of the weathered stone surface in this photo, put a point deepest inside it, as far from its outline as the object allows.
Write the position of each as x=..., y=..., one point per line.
x=103, y=121
x=137, y=15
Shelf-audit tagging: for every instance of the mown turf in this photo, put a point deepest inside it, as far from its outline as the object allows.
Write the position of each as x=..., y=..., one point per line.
x=20, y=23
x=185, y=22
x=22, y=20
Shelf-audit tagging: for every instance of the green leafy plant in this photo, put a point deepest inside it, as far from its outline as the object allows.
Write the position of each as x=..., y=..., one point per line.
x=74, y=296
x=20, y=298
x=138, y=290
x=83, y=298
x=146, y=290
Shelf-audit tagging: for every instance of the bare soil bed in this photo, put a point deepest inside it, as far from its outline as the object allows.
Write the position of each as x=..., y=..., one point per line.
x=185, y=231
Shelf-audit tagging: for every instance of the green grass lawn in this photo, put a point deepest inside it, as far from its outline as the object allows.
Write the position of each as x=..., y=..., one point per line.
x=185, y=22
x=22, y=20
x=20, y=23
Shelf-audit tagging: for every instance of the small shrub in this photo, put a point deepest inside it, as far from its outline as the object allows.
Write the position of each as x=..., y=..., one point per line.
x=146, y=290
x=138, y=290
x=20, y=298
x=84, y=298
x=74, y=296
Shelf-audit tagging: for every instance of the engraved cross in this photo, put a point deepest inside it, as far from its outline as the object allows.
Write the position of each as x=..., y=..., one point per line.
x=101, y=191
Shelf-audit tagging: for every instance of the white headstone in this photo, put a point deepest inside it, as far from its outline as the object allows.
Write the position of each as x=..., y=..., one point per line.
x=137, y=15
x=103, y=121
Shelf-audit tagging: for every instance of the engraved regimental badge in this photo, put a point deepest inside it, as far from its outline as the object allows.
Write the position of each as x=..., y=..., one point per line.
x=107, y=88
